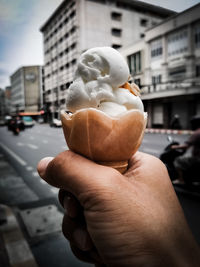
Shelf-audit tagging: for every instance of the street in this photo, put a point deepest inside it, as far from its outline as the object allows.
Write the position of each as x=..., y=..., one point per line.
x=40, y=199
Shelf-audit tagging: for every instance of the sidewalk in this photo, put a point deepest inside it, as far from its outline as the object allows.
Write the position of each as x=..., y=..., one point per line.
x=30, y=227
x=14, y=249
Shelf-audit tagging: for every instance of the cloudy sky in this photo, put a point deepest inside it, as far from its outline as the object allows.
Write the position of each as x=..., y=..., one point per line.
x=21, y=40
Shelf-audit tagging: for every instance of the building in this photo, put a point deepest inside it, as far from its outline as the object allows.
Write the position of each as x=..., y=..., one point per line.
x=76, y=26
x=166, y=64
x=8, y=99
x=2, y=104
x=26, y=89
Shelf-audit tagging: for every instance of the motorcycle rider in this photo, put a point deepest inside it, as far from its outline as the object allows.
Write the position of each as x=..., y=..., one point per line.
x=188, y=164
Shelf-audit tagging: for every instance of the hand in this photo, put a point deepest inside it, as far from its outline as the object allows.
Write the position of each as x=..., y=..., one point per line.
x=121, y=220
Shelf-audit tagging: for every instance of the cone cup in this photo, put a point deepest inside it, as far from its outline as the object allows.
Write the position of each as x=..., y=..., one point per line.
x=106, y=140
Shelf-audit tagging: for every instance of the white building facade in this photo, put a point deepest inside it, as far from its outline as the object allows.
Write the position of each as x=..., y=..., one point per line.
x=26, y=89
x=169, y=73
x=78, y=25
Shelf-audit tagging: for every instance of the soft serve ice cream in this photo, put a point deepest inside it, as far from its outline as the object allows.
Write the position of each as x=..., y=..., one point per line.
x=99, y=79
x=106, y=121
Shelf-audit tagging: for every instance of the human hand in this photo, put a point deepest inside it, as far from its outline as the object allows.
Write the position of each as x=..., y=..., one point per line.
x=121, y=220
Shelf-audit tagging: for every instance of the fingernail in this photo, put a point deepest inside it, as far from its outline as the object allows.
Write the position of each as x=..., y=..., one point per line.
x=82, y=239
x=42, y=165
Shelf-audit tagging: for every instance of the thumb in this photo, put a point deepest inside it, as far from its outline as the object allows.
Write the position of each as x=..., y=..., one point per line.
x=75, y=173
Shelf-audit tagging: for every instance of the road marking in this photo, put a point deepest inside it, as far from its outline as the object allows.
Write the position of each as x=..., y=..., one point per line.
x=20, y=144
x=12, y=153
x=29, y=168
x=35, y=174
x=32, y=146
x=54, y=190
x=45, y=141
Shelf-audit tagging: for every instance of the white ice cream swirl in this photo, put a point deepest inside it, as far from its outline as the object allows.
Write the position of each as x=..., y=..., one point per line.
x=100, y=73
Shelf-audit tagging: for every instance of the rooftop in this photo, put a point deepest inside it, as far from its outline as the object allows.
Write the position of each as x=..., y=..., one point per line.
x=137, y=5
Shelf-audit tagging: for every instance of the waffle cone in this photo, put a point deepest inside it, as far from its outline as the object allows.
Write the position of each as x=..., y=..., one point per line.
x=103, y=139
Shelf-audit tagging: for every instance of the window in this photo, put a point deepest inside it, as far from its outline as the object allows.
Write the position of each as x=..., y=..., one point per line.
x=73, y=46
x=197, y=36
x=60, y=26
x=138, y=82
x=62, y=87
x=197, y=70
x=143, y=22
x=116, y=32
x=73, y=29
x=72, y=14
x=72, y=4
x=177, y=42
x=116, y=16
x=156, y=79
x=116, y=46
x=73, y=62
x=134, y=62
x=156, y=48
x=177, y=74
x=66, y=20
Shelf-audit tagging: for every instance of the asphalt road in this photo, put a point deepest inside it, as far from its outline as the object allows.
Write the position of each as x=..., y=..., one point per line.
x=24, y=152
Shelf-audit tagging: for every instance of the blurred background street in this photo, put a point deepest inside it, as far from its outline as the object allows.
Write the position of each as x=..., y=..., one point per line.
x=40, y=45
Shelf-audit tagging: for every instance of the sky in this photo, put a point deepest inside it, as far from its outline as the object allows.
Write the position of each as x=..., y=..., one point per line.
x=21, y=42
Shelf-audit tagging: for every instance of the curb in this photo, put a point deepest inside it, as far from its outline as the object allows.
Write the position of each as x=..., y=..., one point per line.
x=168, y=131
x=18, y=251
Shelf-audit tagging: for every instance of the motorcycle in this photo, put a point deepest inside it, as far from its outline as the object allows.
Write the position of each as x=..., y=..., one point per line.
x=169, y=155
x=15, y=127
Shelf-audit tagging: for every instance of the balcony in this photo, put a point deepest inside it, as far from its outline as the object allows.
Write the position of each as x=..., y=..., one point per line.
x=170, y=89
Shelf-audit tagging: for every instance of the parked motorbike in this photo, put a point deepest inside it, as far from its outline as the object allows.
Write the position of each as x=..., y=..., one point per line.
x=169, y=155
x=15, y=126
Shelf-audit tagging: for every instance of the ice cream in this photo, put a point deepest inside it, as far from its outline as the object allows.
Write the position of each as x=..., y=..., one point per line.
x=99, y=78
x=106, y=121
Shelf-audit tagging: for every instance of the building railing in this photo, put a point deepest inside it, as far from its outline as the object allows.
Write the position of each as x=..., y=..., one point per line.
x=170, y=86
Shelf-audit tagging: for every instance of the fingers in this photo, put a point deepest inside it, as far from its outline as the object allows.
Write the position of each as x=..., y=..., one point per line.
x=74, y=226
x=76, y=233
x=75, y=173
x=69, y=203
x=74, y=229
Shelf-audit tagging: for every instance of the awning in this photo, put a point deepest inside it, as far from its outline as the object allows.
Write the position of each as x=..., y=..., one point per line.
x=31, y=113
